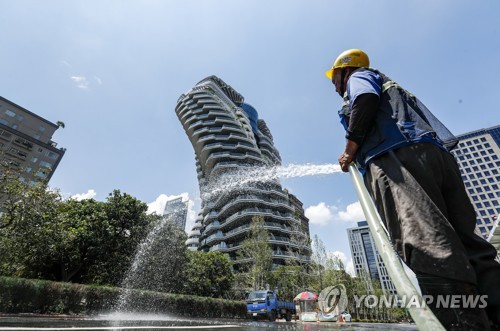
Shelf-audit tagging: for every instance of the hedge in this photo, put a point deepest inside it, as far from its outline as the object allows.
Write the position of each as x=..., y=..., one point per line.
x=19, y=295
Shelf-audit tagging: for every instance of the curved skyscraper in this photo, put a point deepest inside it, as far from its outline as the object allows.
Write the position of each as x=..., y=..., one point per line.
x=229, y=139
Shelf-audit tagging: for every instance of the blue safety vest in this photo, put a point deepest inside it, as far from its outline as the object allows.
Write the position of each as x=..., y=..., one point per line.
x=401, y=120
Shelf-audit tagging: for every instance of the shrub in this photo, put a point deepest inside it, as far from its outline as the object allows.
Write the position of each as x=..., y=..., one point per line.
x=19, y=295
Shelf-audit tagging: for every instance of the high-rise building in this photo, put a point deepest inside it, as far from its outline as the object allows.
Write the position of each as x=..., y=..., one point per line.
x=366, y=258
x=229, y=138
x=176, y=211
x=26, y=143
x=477, y=154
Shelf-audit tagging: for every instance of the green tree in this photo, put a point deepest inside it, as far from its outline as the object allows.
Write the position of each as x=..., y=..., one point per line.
x=300, y=247
x=288, y=281
x=84, y=224
x=256, y=248
x=319, y=258
x=125, y=225
x=327, y=268
x=17, y=197
x=208, y=274
x=24, y=210
x=79, y=241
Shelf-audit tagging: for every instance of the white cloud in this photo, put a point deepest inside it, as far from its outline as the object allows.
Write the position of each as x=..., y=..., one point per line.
x=98, y=80
x=84, y=196
x=80, y=81
x=353, y=213
x=322, y=214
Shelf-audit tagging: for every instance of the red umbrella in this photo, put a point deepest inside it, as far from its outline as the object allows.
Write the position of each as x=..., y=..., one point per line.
x=306, y=295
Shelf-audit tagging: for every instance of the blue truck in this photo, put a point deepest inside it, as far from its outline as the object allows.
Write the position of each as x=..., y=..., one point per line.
x=265, y=304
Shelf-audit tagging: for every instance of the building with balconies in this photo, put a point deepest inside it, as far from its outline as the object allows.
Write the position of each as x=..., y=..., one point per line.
x=229, y=138
x=193, y=241
x=26, y=143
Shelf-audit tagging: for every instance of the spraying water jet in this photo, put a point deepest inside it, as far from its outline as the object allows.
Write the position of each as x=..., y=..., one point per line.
x=246, y=176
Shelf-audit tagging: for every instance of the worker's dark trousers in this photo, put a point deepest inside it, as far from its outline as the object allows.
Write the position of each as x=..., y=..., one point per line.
x=421, y=198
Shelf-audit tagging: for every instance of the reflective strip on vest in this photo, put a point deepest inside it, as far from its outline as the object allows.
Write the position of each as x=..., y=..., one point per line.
x=390, y=83
x=387, y=85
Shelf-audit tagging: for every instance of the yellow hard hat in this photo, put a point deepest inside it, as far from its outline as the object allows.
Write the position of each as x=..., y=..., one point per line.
x=350, y=58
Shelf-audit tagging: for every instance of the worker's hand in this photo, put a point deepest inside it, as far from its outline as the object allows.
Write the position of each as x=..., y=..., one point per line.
x=349, y=155
x=344, y=160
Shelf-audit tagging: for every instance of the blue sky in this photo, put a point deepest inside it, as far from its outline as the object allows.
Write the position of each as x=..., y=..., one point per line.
x=112, y=71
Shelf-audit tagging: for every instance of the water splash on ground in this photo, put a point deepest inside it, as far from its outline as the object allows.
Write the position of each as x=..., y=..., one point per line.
x=139, y=259
x=153, y=266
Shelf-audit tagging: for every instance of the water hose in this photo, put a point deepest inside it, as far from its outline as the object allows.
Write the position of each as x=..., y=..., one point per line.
x=423, y=316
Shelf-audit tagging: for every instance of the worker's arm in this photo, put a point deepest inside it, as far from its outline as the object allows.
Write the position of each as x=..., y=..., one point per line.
x=364, y=110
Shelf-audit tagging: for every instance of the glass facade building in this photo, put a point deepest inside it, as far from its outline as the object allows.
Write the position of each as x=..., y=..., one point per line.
x=366, y=259
x=229, y=138
x=478, y=156
x=176, y=211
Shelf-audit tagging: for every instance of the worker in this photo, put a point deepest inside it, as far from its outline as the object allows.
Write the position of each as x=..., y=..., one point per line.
x=403, y=152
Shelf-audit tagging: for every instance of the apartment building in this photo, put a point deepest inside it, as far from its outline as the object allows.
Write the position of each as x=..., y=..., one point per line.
x=229, y=138
x=26, y=143
x=193, y=241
